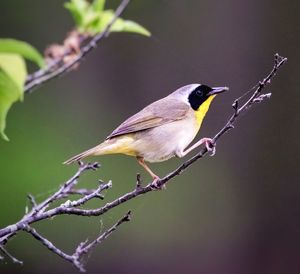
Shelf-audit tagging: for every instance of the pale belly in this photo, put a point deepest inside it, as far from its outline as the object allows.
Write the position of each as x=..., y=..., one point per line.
x=162, y=143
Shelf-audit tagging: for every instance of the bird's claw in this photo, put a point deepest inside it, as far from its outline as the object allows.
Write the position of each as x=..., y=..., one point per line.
x=154, y=185
x=210, y=146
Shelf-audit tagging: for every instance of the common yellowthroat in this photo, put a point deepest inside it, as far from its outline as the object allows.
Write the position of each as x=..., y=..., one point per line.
x=161, y=130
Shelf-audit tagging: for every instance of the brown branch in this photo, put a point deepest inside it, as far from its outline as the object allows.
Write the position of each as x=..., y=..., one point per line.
x=38, y=209
x=82, y=249
x=43, y=210
x=83, y=191
x=53, y=70
x=66, y=188
x=86, y=247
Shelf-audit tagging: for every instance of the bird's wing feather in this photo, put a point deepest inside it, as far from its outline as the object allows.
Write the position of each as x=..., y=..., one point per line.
x=158, y=113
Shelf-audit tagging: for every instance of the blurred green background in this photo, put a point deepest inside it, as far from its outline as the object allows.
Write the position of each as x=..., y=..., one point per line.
x=237, y=212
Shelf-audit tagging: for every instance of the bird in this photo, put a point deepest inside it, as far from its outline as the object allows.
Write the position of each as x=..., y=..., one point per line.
x=161, y=130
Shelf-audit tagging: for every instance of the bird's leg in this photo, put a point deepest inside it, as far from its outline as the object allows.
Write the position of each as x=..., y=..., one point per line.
x=208, y=144
x=141, y=161
x=155, y=178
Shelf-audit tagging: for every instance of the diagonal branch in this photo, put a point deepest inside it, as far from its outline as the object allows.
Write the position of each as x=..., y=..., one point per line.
x=52, y=71
x=7, y=254
x=85, y=247
x=256, y=97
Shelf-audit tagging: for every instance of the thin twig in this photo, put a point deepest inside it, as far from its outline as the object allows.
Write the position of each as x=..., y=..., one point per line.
x=32, y=200
x=82, y=249
x=65, y=188
x=83, y=192
x=47, y=243
x=7, y=254
x=88, y=197
x=138, y=181
x=53, y=63
x=49, y=74
x=87, y=247
x=39, y=208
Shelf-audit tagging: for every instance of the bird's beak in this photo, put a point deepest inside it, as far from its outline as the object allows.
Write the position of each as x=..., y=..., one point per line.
x=217, y=90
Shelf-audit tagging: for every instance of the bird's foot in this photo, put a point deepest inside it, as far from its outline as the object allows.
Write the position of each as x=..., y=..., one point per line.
x=210, y=146
x=155, y=184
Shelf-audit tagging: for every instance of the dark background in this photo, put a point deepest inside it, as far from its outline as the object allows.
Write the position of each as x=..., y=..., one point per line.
x=237, y=212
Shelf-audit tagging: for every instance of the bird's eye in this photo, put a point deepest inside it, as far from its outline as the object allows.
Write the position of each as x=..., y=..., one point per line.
x=199, y=93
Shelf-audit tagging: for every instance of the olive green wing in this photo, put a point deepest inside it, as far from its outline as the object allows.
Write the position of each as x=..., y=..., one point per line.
x=161, y=112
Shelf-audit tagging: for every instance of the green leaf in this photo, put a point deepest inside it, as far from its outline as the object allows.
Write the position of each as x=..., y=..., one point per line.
x=12, y=78
x=23, y=49
x=80, y=4
x=98, y=5
x=74, y=12
x=129, y=26
x=14, y=66
x=120, y=24
x=91, y=18
x=8, y=95
x=78, y=9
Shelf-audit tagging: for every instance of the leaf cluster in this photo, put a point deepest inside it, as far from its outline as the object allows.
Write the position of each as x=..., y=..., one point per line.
x=91, y=18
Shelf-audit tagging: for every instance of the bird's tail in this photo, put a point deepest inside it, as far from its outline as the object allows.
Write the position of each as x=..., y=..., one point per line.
x=97, y=150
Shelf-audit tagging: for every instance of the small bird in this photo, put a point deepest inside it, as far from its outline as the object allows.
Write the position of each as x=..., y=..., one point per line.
x=161, y=130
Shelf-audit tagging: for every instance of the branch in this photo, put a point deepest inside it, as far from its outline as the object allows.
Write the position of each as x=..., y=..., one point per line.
x=43, y=210
x=64, y=191
x=83, y=248
x=59, y=67
x=7, y=254
x=40, y=209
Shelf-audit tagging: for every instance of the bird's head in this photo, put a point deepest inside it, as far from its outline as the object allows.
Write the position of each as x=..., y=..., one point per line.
x=198, y=95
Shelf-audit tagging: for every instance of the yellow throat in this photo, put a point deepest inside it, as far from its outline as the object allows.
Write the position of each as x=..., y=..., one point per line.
x=201, y=112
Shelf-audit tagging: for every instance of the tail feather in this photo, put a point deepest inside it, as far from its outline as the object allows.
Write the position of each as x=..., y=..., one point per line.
x=82, y=155
x=110, y=146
